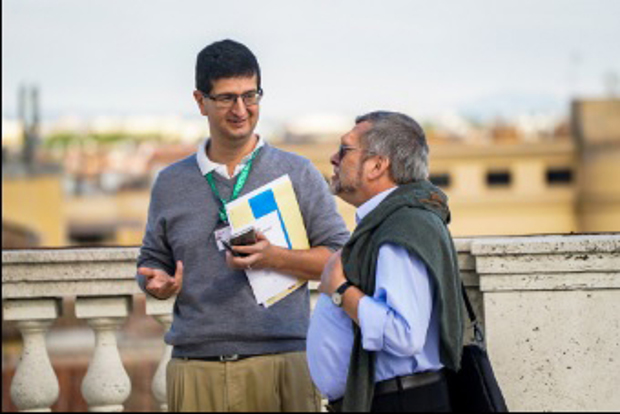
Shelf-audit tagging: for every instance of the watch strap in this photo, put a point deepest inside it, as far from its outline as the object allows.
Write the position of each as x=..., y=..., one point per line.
x=342, y=288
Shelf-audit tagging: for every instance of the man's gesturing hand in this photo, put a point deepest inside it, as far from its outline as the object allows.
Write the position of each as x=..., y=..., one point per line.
x=160, y=284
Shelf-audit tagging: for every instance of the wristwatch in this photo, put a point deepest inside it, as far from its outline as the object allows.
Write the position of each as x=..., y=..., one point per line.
x=337, y=295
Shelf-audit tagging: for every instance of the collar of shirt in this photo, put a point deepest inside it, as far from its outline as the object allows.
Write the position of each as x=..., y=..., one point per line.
x=206, y=165
x=371, y=204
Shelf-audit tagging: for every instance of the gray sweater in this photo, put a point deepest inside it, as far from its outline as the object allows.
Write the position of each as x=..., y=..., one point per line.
x=215, y=312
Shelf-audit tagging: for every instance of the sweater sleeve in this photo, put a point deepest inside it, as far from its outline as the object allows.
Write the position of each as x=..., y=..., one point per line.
x=155, y=251
x=324, y=225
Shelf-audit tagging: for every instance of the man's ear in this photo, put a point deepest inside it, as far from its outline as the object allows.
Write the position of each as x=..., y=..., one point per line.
x=199, y=98
x=379, y=167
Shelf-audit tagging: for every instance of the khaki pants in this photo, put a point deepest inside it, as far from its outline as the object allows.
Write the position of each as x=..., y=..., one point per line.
x=278, y=382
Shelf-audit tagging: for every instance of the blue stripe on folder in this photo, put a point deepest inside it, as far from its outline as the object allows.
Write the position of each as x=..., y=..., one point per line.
x=265, y=203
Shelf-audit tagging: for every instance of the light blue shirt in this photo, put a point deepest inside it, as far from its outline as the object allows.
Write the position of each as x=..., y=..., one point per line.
x=399, y=322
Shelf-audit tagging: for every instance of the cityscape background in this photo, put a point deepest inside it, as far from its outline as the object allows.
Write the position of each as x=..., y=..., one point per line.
x=103, y=90
x=520, y=101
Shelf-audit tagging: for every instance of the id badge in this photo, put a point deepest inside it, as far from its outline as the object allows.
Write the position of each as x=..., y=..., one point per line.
x=222, y=233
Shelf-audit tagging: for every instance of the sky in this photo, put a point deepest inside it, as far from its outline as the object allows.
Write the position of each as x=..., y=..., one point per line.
x=478, y=58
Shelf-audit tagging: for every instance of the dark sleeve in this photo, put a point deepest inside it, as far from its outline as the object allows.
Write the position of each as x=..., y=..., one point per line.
x=324, y=225
x=155, y=251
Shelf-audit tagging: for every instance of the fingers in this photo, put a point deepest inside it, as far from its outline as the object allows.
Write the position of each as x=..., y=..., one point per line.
x=243, y=263
x=146, y=271
x=251, y=249
x=160, y=284
x=259, y=255
x=178, y=277
x=159, y=288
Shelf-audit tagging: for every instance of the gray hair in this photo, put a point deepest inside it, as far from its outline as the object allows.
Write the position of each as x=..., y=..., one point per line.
x=399, y=138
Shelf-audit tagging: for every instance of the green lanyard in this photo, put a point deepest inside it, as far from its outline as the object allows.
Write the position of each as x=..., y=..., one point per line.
x=239, y=184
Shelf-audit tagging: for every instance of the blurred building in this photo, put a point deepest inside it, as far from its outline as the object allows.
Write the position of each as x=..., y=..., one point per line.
x=32, y=196
x=113, y=210
x=596, y=126
x=32, y=208
x=502, y=183
x=500, y=180
x=568, y=183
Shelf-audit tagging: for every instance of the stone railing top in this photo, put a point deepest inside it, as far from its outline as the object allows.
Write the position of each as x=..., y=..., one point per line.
x=100, y=271
x=45, y=273
x=107, y=254
x=552, y=244
x=100, y=254
x=463, y=245
x=467, y=262
x=554, y=262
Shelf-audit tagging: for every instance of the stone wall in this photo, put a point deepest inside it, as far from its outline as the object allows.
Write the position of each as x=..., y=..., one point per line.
x=552, y=316
x=550, y=306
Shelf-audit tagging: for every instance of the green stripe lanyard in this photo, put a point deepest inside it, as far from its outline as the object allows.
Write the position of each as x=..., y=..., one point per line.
x=239, y=184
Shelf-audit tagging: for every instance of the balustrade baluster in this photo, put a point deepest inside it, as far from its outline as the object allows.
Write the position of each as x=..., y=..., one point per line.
x=106, y=385
x=162, y=312
x=35, y=384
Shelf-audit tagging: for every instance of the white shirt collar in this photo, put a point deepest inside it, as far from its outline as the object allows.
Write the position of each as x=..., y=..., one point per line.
x=206, y=165
x=371, y=204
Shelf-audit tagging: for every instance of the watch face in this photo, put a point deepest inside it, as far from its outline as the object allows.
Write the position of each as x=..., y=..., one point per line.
x=337, y=299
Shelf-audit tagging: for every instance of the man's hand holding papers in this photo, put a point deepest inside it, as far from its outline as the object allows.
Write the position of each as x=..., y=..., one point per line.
x=273, y=265
x=261, y=255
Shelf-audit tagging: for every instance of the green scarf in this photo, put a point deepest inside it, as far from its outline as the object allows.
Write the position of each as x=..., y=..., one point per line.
x=414, y=216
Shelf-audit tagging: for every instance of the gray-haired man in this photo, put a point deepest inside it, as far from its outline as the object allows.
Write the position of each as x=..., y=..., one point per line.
x=388, y=320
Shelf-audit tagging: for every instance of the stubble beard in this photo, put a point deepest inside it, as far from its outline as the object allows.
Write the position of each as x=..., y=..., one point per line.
x=340, y=187
x=238, y=136
x=242, y=134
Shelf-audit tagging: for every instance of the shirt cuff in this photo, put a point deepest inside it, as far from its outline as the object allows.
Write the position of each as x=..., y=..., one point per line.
x=372, y=316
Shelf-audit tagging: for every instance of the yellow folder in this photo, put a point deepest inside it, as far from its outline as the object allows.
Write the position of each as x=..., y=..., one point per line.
x=274, y=210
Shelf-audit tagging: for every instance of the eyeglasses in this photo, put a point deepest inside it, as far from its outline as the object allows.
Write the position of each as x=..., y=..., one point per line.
x=342, y=151
x=226, y=100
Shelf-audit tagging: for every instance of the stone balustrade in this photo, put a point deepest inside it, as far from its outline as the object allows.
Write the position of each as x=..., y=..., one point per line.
x=550, y=306
x=102, y=282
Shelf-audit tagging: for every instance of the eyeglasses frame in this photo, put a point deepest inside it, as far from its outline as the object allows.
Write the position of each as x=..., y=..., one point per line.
x=223, y=105
x=343, y=149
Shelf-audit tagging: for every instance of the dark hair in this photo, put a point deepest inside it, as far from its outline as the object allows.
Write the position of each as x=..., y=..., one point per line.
x=224, y=59
x=402, y=140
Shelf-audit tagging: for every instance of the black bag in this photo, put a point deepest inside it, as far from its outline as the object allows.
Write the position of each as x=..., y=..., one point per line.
x=474, y=387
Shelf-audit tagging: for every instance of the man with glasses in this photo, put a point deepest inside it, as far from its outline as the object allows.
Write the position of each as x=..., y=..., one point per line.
x=388, y=320
x=229, y=353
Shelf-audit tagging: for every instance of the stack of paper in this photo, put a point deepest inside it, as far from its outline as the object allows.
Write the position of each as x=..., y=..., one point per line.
x=274, y=211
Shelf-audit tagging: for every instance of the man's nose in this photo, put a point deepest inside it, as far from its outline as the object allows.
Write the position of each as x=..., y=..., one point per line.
x=239, y=107
x=334, y=159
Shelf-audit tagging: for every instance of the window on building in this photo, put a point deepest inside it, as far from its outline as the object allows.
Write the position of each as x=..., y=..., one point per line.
x=498, y=178
x=440, y=180
x=559, y=176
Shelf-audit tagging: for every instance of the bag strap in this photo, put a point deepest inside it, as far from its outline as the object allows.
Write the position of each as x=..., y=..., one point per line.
x=478, y=334
x=470, y=309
